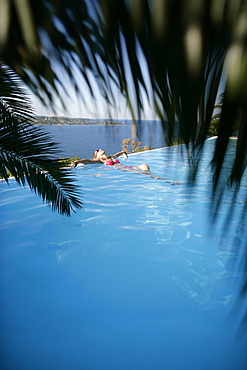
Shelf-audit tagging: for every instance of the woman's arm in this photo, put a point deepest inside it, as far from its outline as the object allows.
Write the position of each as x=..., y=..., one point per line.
x=119, y=153
x=84, y=161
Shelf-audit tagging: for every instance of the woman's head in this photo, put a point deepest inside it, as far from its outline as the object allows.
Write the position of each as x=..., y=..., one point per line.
x=98, y=153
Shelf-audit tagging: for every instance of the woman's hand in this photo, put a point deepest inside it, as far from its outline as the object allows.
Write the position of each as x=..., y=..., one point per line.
x=118, y=154
x=74, y=164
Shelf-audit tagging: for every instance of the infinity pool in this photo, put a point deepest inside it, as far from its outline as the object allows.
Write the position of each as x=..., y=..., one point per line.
x=138, y=279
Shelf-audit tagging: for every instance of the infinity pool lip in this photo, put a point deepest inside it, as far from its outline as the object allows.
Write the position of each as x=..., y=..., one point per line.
x=216, y=137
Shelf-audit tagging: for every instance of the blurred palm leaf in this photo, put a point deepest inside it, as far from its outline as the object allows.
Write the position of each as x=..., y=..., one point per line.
x=188, y=47
x=27, y=152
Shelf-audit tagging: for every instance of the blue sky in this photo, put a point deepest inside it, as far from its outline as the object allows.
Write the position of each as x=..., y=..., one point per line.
x=89, y=107
x=92, y=108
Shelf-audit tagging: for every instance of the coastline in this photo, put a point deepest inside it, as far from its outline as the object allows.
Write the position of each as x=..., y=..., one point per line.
x=66, y=121
x=81, y=124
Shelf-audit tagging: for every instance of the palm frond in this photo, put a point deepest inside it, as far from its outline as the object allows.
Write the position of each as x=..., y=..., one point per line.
x=55, y=30
x=27, y=152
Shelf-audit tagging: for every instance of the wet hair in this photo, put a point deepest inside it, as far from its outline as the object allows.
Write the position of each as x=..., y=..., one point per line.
x=94, y=155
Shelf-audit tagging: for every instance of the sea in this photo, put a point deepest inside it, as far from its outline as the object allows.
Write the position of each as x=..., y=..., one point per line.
x=82, y=140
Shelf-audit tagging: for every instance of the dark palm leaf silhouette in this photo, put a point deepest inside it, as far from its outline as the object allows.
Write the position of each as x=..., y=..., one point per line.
x=27, y=153
x=187, y=49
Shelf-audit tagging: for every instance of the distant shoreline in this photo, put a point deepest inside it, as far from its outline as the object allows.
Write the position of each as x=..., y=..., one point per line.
x=66, y=121
x=81, y=124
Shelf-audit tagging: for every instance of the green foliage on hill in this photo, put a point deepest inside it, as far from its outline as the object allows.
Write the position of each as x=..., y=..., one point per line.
x=66, y=161
x=215, y=121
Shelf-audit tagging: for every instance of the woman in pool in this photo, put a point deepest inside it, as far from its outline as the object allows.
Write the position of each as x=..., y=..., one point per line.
x=99, y=156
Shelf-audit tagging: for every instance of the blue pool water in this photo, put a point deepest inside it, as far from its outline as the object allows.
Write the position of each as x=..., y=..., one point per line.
x=137, y=279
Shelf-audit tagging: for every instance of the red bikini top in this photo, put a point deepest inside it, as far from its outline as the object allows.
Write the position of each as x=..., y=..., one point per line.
x=110, y=162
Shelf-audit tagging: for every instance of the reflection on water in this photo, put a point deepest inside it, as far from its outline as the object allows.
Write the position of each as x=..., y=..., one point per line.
x=134, y=278
x=184, y=233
